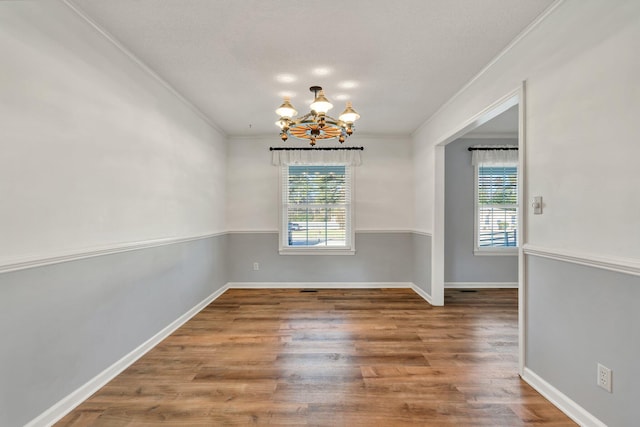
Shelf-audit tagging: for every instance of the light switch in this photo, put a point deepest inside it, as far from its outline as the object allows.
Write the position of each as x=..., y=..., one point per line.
x=537, y=205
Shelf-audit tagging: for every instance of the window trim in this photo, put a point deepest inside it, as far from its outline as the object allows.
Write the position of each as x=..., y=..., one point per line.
x=484, y=250
x=314, y=250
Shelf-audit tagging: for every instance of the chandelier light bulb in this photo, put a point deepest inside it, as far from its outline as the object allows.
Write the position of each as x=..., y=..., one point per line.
x=349, y=115
x=321, y=104
x=286, y=110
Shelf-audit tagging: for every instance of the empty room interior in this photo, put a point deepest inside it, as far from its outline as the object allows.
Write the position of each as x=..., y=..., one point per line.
x=319, y=213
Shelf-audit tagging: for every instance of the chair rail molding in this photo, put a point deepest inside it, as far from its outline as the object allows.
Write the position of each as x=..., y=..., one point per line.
x=72, y=255
x=617, y=264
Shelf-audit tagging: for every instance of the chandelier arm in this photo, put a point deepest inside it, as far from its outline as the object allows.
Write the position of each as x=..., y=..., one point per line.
x=335, y=122
x=302, y=119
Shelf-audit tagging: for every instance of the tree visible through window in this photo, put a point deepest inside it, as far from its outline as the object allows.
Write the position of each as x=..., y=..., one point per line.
x=497, y=207
x=317, y=203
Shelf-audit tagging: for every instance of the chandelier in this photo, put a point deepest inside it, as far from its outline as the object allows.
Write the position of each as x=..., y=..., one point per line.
x=317, y=124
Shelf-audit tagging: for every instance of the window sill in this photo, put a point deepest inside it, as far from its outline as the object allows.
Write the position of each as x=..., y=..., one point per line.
x=496, y=252
x=316, y=251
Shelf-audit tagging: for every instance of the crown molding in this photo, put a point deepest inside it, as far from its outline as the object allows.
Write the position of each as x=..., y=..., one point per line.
x=487, y=67
x=82, y=14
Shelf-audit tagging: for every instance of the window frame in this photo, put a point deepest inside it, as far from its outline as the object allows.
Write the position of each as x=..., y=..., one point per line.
x=284, y=248
x=493, y=250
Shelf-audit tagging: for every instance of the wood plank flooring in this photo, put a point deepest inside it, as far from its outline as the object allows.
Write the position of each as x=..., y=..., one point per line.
x=360, y=357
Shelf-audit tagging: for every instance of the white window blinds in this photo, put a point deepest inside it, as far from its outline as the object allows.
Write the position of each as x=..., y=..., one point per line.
x=316, y=207
x=497, y=206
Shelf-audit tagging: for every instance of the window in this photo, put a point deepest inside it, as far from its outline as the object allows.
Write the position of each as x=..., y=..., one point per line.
x=316, y=211
x=496, y=209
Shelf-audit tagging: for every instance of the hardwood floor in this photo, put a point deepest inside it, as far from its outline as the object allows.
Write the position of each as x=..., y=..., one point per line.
x=360, y=357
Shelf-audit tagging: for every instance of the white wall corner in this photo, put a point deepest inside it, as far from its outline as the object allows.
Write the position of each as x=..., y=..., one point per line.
x=422, y=293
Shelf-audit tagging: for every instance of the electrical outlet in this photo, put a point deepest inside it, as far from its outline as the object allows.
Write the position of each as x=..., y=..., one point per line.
x=256, y=266
x=604, y=377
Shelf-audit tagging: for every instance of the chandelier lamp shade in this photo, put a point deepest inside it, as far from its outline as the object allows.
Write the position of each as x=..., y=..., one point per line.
x=317, y=124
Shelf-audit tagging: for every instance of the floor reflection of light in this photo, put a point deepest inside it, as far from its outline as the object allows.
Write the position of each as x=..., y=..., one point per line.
x=319, y=362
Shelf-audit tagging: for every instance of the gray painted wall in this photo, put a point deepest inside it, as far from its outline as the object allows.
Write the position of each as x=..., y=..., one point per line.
x=379, y=257
x=580, y=316
x=460, y=264
x=63, y=324
x=422, y=261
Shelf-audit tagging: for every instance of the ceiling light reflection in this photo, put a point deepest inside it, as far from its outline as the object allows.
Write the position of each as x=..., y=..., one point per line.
x=286, y=78
x=348, y=84
x=287, y=94
x=321, y=71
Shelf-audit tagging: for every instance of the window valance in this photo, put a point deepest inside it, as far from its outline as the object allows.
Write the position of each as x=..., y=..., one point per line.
x=494, y=155
x=351, y=156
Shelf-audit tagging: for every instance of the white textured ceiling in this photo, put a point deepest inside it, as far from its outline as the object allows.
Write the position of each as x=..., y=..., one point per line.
x=398, y=61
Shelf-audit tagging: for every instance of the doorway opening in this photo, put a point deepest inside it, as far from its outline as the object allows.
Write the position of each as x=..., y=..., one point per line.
x=455, y=233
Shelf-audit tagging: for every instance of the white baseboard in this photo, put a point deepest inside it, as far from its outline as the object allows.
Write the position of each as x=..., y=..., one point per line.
x=574, y=411
x=425, y=296
x=481, y=285
x=331, y=285
x=318, y=285
x=67, y=404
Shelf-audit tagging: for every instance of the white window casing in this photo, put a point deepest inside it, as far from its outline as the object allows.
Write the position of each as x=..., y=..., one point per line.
x=316, y=209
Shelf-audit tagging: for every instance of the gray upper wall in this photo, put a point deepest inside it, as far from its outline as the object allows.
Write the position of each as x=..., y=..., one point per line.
x=460, y=263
